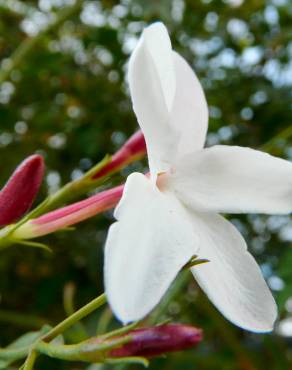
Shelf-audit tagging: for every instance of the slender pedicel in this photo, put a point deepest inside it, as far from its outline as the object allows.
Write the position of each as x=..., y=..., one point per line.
x=69, y=215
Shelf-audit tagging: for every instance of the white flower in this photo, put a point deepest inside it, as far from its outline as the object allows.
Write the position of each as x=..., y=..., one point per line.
x=164, y=220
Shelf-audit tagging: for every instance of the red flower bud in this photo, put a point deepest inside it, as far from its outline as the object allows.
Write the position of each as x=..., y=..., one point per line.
x=131, y=150
x=21, y=189
x=155, y=341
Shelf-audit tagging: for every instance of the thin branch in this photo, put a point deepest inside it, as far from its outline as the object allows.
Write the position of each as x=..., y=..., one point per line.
x=30, y=360
x=76, y=317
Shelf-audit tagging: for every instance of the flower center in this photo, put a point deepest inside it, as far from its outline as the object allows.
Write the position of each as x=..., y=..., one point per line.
x=162, y=180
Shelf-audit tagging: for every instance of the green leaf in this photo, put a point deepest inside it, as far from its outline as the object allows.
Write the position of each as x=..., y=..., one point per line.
x=25, y=340
x=195, y=261
x=19, y=348
x=34, y=245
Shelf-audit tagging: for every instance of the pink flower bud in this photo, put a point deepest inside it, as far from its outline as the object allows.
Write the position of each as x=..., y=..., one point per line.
x=21, y=189
x=134, y=148
x=70, y=215
x=155, y=341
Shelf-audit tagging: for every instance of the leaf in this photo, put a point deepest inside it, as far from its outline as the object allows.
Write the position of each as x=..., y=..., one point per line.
x=34, y=245
x=195, y=261
x=18, y=349
x=25, y=340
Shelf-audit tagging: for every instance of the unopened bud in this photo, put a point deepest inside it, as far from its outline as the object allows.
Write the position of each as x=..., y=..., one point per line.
x=21, y=189
x=155, y=341
x=69, y=215
x=139, y=343
x=134, y=148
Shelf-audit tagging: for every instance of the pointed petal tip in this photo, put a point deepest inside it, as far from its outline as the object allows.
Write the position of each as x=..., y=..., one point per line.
x=255, y=329
x=34, y=165
x=157, y=26
x=33, y=160
x=263, y=328
x=121, y=313
x=35, y=157
x=232, y=280
x=260, y=325
x=270, y=323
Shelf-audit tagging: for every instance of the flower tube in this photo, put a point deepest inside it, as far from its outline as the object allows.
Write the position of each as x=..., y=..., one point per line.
x=69, y=215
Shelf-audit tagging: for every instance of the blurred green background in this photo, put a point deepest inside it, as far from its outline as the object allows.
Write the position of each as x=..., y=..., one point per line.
x=63, y=94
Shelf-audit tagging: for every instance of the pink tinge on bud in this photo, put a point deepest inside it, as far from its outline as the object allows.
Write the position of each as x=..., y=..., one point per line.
x=70, y=215
x=21, y=189
x=155, y=341
x=131, y=150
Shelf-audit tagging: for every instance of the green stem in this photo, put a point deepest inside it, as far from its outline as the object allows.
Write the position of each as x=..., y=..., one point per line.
x=61, y=352
x=179, y=284
x=30, y=360
x=73, y=319
x=68, y=302
x=104, y=321
x=16, y=354
x=88, y=350
x=28, y=44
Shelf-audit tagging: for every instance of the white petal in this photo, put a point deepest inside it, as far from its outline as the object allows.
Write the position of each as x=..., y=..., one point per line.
x=159, y=46
x=152, y=85
x=189, y=114
x=167, y=98
x=232, y=279
x=235, y=180
x=152, y=240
